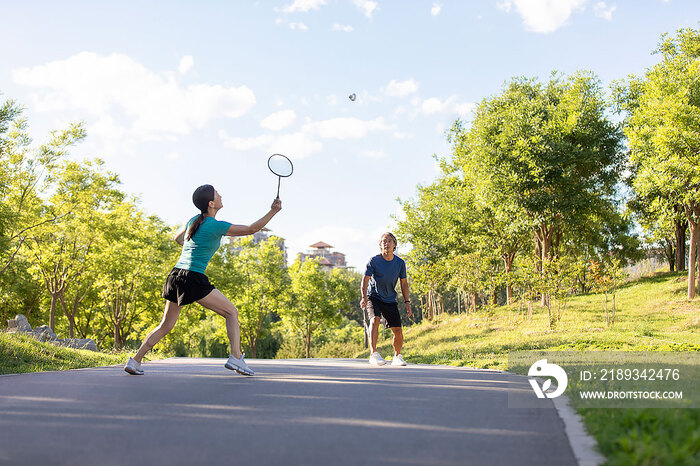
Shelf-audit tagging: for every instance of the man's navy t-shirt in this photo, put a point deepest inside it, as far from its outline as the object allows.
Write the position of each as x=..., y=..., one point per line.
x=384, y=275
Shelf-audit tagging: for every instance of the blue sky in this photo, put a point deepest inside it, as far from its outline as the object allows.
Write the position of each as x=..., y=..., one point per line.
x=175, y=94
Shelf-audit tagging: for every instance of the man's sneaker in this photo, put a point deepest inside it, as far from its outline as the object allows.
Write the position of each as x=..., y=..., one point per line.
x=398, y=361
x=238, y=365
x=376, y=359
x=133, y=367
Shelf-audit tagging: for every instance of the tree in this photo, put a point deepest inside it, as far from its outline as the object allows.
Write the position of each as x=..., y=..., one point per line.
x=134, y=255
x=546, y=153
x=663, y=128
x=317, y=298
x=62, y=252
x=256, y=279
x=607, y=277
x=25, y=173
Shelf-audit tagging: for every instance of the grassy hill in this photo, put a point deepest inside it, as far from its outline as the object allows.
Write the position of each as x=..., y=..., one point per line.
x=21, y=353
x=652, y=314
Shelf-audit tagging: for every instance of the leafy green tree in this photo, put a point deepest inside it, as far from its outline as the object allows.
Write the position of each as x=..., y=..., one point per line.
x=62, y=252
x=607, y=277
x=317, y=298
x=25, y=173
x=544, y=153
x=134, y=256
x=663, y=128
x=257, y=281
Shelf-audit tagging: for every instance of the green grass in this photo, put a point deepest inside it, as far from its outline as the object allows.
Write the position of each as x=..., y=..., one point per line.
x=21, y=353
x=652, y=314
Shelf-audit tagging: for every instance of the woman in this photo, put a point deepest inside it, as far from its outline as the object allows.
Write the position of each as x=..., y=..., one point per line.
x=186, y=284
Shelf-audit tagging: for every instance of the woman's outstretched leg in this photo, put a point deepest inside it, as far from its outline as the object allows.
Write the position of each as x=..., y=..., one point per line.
x=220, y=304
x=170, y=316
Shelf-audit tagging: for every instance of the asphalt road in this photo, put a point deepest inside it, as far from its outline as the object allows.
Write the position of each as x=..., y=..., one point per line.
x=296, y=412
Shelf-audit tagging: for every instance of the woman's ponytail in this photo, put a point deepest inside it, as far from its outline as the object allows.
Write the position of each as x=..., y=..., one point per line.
x=201, y=198
x=195, y=226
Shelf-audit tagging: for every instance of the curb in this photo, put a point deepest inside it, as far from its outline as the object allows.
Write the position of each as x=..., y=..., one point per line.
x=582, y=444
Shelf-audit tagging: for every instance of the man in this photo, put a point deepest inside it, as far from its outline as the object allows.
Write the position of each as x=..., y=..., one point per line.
x=382, y=273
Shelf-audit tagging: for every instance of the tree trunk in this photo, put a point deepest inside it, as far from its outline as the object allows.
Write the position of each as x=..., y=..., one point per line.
x=607, y=318
x=545, y=237
x=308, y=344
x=52, y=311
x=681, y=227
x=254, y=349
x=508, y=260
x=613, y=314
x=691, y=212
x=538, y=252
x=671, y=254
x=117, y=336
x=697, y=251
x=69, y=315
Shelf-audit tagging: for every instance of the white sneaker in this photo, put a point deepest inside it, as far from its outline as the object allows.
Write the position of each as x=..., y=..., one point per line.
x=398, y=361
x=133, y=367
x=238, y=365
x=376, y=359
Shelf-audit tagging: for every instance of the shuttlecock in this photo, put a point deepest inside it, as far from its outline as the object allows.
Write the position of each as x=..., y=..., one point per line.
x=352, y=97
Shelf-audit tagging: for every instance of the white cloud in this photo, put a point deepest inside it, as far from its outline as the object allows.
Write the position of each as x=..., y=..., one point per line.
x=374, y=154
x=604, y=11
x=155, y=104
x=543, y=16
x=279, y=120
x=299, y=26
x=401, y=88
x=464, y=109
x=368, y=7
x=450, y=105
x=302, y=6
x=343, y=28
x=435, y=10
x=295, y=145
x=305, y=142
x=185, y=64
x=435, y=105
x=506, y=6
x=346, y=128
x=172, y=156
x=332, y=100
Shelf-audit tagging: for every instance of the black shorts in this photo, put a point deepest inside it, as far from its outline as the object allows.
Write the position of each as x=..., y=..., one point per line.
x=185, y=286
x=390, y=311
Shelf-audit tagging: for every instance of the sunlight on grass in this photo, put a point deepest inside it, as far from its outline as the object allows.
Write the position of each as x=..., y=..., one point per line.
x=21, y=353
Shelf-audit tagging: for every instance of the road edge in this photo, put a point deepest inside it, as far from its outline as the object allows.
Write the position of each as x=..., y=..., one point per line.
x=582, y=443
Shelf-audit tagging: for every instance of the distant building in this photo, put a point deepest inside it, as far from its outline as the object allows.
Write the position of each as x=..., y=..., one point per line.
x=322, y=251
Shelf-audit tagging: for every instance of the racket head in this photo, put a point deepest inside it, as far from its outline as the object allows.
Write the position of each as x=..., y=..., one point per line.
x=280, y=165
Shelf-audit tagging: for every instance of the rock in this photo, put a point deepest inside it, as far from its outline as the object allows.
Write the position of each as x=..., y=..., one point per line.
x=22, y=324
x=44, y=333
x=79, y=343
